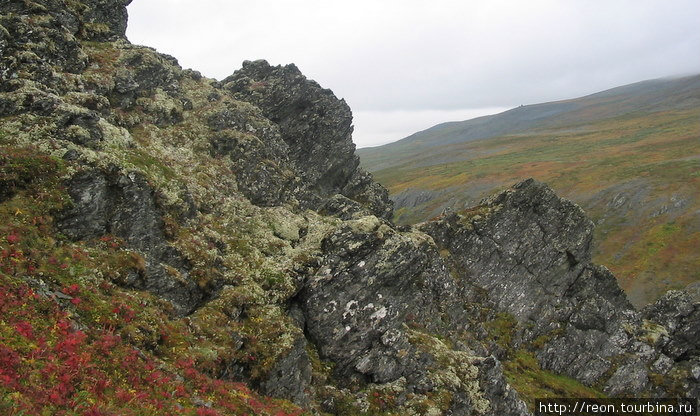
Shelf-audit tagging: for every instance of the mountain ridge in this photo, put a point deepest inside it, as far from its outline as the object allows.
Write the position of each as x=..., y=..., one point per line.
x=173, y=244
x=541, y=115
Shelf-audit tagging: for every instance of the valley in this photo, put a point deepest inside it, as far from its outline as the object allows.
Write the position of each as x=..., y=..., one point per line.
x=636, y=174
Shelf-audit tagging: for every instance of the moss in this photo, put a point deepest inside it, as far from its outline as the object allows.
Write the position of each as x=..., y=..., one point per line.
x=153, y=166
x=164, y=108
x=501, y=329
x=321, y=370
x=21, y=168
x=103, y=55
x=672, y=383
x=91, y=30
x=382, y=400
x=542, y=340
x=434, y=403
x=525, y=375
x=269, y=335
x=468, y=216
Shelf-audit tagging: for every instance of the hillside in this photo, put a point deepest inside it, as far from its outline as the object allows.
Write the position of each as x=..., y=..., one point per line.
x=630, y=156
x=172, y=244
x=646, y=96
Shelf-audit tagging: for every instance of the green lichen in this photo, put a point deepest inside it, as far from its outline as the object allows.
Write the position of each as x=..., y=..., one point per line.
x=673, y=382
x=651, y=332
x=91, y=30
x=453, y=370
x=542, y=340
x=478, y=213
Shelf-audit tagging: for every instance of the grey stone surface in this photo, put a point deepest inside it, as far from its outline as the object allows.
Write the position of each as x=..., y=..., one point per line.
x=531, y=251
x=316, y=126
x=680, y=315
x=109, y=203
x=290, y=377
x=405, y=310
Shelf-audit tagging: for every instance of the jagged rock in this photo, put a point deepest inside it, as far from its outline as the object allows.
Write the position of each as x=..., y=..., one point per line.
x=375, y=283
x=343, y=208
x=680, y=316
x=495, y=385
x=79, y=126
x=315, y=125
x=373, y=196
x=290, y=377
x=141, y=72
x=359, y=295
x=411, y=198
x=162, y=157
x=530, y=251
x=124, y=206
x=40, y=52
x=629, y=378
x=104, y=19
x=528, y=248
x=263, y=172
x=92, y=20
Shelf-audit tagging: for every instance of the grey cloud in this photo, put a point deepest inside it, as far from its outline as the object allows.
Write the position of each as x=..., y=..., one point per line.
x=388, y=56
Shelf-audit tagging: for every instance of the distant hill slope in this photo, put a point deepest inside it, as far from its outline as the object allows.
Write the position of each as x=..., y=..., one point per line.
x=175, y=245
x=630, y=156
x=651, y=95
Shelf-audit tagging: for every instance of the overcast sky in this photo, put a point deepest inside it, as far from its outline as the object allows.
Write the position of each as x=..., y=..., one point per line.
x=405, y=65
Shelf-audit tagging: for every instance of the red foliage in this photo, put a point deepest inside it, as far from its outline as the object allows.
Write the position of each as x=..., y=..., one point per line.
x=12, y=238
x=124, y=312
x=25, y=328
x=71, y=290
x=51, y=367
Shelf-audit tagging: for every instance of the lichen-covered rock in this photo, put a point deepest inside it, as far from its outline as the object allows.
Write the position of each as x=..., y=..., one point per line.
x=372, y=286
x=104, y=19
x=123, y=205
x=258, y=156
x=355, y=304
x=291, y=376
x=316, y=126
x=93, y=20
x=530, y=251
x=494, y=385
x=242, y=203
x=526, y=245
x=45, y=46
x=343, y=208
x=679, y=315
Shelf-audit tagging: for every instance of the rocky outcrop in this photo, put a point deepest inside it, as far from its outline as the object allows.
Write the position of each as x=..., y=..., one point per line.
x=94, y=20
x=315, y=125
x=124, y=206
x=530, y=251
x=242, y=204
x=291, y=376
x=411, y=198
x=372, y=306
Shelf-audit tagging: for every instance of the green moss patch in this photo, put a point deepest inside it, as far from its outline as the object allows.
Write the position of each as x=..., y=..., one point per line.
x=523, y=372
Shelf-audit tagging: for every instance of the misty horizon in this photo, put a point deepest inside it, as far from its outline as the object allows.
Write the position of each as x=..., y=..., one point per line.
x=405, y=66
